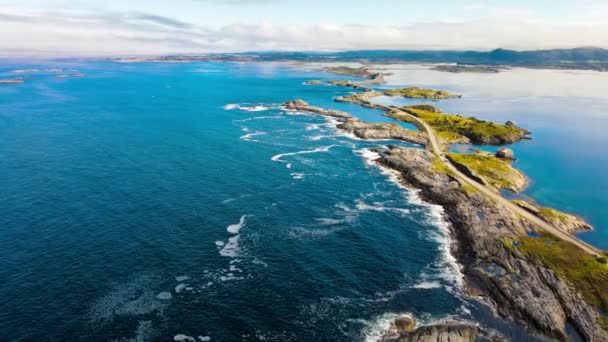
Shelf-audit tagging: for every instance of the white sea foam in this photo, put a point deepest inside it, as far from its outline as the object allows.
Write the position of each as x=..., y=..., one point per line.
x=180, y=287
x=183, y=338
x=258, y=118
x=427, y=285
x=236, y=228
x=378, y=206
x=328, y=221
x=249, y=136
x=181, y=278
x=248, y=108
x=231, y=248
x=164, y=296
x=297, y=175
x=316, y=150
x=447, y=266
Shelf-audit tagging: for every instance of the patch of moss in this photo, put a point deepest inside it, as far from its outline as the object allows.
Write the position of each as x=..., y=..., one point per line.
x=494, y=171
x=439, y=166
x=421, y=93
x=467, y=189
x=583, y=271
x=454, y=127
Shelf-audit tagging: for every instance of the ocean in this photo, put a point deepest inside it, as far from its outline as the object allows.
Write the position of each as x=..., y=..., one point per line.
x=158, y=202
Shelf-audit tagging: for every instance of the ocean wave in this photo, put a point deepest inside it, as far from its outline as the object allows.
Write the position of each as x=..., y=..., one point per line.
x=264, y=117
x=447, y=267
x=426, y=285
x=249, y=107
x=236, y=228
x=249, y=136
x=316, y=150
x=297, y=175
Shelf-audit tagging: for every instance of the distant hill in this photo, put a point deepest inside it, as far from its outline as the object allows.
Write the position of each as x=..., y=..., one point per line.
x=580, y=58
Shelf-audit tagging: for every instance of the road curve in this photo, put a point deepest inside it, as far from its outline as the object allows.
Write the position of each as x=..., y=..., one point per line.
x=558, y=232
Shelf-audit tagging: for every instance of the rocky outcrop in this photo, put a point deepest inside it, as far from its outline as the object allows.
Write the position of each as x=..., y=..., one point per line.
x=505, y=153
x=450, y=331
x=366, y=130
x=299, y=105
x=519, y=287
x=488, y=170
x=568, y=222
x=313, y=82
x=360, y=129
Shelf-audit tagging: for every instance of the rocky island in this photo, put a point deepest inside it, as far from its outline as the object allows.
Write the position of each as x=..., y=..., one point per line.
x=459, y=68
x=460, y=129
x=360, y=129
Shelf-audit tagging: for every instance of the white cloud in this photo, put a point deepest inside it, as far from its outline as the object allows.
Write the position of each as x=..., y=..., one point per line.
x=88, y=33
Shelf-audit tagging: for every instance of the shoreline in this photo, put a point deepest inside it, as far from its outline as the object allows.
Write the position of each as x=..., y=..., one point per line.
x=478, y=281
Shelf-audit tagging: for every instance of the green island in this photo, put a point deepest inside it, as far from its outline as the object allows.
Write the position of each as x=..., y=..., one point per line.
x=489, y=170
x=421, y=93
x=478, y=69
x=588, y=274
x=459, y=129
x=350, y=71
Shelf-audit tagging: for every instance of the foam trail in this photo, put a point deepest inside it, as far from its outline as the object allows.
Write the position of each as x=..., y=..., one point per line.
x=236, y=228
x=247, y=137
x=316, y=150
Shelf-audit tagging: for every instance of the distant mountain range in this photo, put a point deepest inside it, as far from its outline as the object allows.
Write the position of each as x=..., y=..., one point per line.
x=578, y=58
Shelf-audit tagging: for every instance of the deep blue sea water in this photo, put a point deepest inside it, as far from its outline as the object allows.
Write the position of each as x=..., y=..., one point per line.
x=171, y=201
x=142, y=202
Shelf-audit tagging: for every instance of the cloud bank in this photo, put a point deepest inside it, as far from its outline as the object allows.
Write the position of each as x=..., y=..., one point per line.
x=78, y=33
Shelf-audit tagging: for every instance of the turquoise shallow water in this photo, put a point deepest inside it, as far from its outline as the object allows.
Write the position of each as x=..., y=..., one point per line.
x=151, y=201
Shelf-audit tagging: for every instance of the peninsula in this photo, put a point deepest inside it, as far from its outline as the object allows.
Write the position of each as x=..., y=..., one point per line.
x=520, y=258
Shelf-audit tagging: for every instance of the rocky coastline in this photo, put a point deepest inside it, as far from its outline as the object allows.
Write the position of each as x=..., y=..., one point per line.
x=488, y=244
x=495, y=268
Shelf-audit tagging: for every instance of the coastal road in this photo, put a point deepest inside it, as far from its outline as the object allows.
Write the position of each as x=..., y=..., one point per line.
x=558, y=232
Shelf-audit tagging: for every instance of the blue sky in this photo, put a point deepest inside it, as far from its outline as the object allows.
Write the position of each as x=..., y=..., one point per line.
x=89, y=27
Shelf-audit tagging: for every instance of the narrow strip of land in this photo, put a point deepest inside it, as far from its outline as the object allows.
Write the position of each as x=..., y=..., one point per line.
x=435, y=148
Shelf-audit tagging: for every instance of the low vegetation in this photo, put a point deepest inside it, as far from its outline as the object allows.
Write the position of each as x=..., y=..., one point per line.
x=421, y=93
x=492, y=171
x=588, y=274
x=567, y=222
x=349, y=71
x=453, y=128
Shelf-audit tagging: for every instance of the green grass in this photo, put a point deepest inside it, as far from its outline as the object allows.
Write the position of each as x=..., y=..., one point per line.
x=421, y=93
x=439, y=166
x=583, y=271
x=452, y=127
x=467, y=189
x=495, y=172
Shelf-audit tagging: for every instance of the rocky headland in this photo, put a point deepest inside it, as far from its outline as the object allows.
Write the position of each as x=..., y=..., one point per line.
x=360, y=129
x=543, y=283
x=492, y=246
